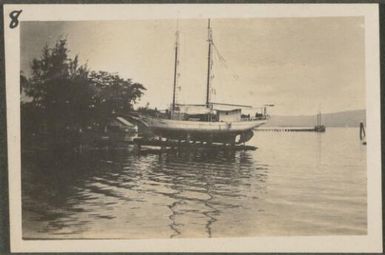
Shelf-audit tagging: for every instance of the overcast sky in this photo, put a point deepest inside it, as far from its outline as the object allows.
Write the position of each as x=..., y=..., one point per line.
x=299, y=64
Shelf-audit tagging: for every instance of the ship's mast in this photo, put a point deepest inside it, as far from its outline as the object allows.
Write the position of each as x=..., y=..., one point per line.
x=209, y=65
x=319, y=119
x=175, y=66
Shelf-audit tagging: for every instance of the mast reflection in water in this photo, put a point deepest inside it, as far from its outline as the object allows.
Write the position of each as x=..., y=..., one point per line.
x=118, y=194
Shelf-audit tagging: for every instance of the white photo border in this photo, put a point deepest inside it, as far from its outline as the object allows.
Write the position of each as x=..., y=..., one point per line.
x=372, y=242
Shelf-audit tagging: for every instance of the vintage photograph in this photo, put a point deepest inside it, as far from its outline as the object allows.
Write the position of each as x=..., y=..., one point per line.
x=193, y=127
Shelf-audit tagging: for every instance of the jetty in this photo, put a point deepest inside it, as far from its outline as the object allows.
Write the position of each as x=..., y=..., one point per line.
x=290, y=129
x=318, y=127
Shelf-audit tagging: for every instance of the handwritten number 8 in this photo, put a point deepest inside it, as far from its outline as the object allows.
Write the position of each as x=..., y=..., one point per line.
x=14, y=15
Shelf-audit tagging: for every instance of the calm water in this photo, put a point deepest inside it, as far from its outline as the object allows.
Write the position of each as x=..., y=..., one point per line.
x=293, y=184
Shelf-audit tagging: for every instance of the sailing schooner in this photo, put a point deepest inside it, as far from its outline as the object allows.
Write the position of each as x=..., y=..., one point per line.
x=206, y=122
x=319, y=127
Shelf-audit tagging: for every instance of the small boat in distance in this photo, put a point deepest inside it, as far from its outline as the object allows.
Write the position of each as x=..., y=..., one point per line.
x=206, y=123
x=319, y=127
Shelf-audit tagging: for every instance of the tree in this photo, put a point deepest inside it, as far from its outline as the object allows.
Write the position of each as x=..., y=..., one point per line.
x=67, y=97
x=60, y=91
x=113, y=94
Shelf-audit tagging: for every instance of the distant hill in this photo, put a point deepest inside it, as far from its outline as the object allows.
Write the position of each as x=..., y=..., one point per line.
x=337, y=119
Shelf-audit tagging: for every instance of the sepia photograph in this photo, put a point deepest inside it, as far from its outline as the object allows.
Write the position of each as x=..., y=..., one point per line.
x=185, y=124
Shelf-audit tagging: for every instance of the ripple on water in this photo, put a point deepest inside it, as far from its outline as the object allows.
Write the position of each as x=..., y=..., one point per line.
x=286, y=187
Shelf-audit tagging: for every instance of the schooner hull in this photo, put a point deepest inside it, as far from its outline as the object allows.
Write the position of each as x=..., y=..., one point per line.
x=222, y=132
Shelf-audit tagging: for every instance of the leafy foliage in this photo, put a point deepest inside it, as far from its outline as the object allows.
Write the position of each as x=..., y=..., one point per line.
x=113, y=94
x=68, y=97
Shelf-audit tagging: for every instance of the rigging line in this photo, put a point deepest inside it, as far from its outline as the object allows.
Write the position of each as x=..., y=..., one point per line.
x=224, y=62
x=219, y=54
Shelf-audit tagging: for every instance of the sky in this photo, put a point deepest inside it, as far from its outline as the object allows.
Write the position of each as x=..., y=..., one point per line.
x=301, y=65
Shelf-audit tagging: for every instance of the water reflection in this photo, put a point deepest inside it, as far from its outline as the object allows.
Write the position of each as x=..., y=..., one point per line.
x=189, y=193
x=294, y=184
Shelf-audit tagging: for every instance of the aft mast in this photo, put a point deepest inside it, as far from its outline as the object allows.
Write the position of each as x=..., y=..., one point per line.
x=175, y=67
x=209, y=65
x=318, y=123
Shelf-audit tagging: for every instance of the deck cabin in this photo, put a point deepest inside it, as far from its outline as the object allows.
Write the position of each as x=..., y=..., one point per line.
x=228, y=115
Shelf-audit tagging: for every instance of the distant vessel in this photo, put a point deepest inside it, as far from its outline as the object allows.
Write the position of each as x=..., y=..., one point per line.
x=319, y=127
x=209, y=122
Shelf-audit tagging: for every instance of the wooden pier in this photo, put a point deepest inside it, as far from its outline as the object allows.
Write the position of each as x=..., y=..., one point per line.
x=291, y=129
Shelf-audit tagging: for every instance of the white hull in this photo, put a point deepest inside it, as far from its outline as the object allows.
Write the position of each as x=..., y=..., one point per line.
x=201, y=126
x=220, y=132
